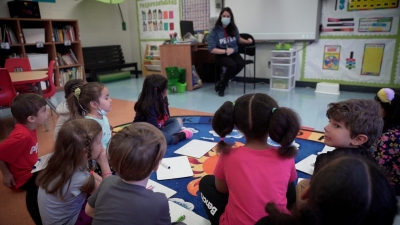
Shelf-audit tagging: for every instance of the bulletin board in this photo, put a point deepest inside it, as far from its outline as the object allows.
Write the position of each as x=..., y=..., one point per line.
x=368, y=33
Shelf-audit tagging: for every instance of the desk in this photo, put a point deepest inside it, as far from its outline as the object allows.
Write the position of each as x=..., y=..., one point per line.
x=29, y=77
x=184, y=56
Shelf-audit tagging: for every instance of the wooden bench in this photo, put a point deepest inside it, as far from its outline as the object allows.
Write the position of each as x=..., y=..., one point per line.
x=105, y=58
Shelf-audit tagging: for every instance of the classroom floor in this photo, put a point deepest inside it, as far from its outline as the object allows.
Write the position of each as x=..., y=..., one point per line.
x=309, y=105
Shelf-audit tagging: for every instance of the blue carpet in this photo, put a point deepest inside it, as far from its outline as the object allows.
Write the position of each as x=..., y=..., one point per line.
x=202, y=125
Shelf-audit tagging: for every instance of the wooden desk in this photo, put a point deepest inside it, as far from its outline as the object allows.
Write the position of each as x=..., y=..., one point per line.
x=184, y=56
x=29, y=77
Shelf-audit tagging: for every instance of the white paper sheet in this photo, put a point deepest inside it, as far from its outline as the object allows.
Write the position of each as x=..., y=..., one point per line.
x=307, y=165
x=326, y=149
x=41, y=163
x=157, y=187
x=179, y=167
x=191, y=218
x=196, y=148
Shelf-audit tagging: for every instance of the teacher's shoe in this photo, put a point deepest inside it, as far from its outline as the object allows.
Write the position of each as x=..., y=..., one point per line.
x=217, y=86
x=221, y=91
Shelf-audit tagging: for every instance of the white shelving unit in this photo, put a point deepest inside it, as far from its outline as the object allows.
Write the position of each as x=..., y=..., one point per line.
x=283, y=69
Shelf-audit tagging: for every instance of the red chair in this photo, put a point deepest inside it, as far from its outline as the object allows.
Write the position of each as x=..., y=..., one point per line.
x=7, y=92
x=18, y=65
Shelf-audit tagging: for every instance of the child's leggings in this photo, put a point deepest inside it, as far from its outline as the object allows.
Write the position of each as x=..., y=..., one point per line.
x=31, y=199
x=83, y=218
x=171, y=126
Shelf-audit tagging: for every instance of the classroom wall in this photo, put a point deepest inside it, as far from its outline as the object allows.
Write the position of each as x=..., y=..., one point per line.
x=99, y=23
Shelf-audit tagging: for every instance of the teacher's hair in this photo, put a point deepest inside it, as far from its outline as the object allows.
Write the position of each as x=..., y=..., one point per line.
x=231, y=28
x=258, y=116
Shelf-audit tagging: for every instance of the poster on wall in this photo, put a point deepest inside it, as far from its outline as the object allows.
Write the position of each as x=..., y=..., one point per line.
x=367, y=17
x=157, y=19
x=331, y=57
x=357, y=60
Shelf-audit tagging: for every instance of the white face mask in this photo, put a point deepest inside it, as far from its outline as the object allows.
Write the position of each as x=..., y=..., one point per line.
x=225, y=21
x=101, y=111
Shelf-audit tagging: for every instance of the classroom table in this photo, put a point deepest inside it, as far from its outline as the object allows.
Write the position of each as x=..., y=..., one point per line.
x=184, y=56
x=29, y=78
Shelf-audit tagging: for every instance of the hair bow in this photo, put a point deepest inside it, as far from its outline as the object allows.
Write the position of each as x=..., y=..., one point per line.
x=77, y=92
x=386, y=95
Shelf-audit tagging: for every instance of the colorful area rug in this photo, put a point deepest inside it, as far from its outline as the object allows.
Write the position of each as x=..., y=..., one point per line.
x=310, y=142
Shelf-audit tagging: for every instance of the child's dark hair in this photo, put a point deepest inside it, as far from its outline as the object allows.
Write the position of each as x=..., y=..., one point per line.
x=71, y=85
x=79, y=101
x=257, y=116
x=347, y=191
x=151, y=96
x=360, y=116
x=136, y=150
x=73, y=143
x=391, y=107
x=231, y=28
x=25, y=105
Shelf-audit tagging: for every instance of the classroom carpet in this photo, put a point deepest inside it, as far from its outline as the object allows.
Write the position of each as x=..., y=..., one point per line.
x=311, y=142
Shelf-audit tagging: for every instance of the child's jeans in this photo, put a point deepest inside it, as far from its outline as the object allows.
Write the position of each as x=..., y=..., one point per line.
x=171, y=126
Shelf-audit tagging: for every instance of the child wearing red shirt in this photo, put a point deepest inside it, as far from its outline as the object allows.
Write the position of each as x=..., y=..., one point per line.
x=19, y=152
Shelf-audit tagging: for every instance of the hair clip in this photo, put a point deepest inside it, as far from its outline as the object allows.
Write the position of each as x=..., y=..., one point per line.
x=222, y=139
x=233, y=104
x=91, y=172
x=385, y=95
x=77, y=92
x=273, y=110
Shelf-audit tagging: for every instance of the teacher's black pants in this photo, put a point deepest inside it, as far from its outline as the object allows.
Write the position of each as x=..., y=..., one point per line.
x=233, y=63
x=215, y=202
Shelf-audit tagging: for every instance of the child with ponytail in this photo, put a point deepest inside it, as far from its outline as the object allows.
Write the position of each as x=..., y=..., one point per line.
x=248, y=177
x=68, y=178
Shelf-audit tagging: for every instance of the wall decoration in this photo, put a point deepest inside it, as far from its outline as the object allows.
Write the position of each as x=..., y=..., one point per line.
x=371, y=4
x=197, y=11
x=331, y=57
x=157, y=18
x=372, y=59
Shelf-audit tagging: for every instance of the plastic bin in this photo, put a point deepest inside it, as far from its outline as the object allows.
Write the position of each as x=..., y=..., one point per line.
x=281, y=70
x=282, y=83
x=182, y=75
x=180, y=88
x=279, y=60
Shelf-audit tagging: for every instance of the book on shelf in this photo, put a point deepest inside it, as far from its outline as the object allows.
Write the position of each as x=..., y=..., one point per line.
x=73, y=56
x=64, y=34
x=8, y=35
x=67, y=74
x=67, y=58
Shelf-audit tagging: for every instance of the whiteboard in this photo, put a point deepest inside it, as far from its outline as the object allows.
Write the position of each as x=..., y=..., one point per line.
x=277, y=20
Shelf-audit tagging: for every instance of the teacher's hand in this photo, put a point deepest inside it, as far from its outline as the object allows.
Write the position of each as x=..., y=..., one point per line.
x=229, y=51
x=249, y=40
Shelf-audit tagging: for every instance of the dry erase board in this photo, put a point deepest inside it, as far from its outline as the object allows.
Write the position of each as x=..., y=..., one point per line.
x=277, y=19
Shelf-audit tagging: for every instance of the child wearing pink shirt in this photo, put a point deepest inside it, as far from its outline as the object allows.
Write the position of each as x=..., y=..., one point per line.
x=248, y=177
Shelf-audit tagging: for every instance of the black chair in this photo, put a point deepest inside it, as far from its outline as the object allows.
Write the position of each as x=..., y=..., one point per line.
x=248, y=50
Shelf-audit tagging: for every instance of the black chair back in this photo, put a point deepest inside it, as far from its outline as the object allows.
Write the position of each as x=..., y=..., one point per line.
x=242, y=47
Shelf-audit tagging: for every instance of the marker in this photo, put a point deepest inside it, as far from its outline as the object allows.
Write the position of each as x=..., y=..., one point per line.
x=337, y=29
x=37, y=164
x=206, y=138
x=181, y=218
x=165, y=165
x=340, y=19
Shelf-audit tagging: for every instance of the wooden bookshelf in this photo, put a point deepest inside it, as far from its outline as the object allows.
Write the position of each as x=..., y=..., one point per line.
x=55, y=41
x=152, y=58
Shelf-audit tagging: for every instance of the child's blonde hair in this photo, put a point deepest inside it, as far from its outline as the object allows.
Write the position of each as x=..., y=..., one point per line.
x=79, y=101
x=136, y=150
x=72, y=146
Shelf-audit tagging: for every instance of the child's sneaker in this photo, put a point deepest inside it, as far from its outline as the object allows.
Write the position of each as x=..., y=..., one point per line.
x=188, y=133
x=182, y=135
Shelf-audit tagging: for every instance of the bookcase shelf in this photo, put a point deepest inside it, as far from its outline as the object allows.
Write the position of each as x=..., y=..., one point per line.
x=153, y=68
x=56, y=33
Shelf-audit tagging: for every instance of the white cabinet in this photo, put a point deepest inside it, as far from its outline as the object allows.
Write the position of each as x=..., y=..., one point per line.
x=283, y=69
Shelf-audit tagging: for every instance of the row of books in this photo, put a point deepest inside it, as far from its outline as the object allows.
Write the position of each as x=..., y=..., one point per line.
x=64, y=34
x=67, y=58
x=8, y=35
x=67, y=74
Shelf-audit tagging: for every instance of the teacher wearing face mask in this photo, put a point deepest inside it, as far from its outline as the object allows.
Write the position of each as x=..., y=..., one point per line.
x=223, y=42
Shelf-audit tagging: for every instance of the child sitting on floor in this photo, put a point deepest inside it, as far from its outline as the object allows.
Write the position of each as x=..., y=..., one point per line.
x=19, y=152
x=386, y=150
x=354, y=126
x=62, y=109
x=68, y=178
x=152, y=107
x=248, y=177
x=135, y=152
x=349, y=190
